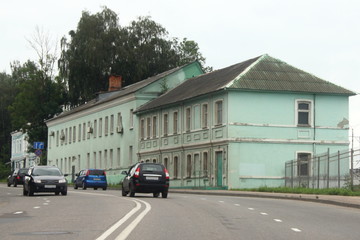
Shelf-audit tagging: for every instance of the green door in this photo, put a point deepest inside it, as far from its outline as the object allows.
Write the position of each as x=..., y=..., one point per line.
x=219, y=169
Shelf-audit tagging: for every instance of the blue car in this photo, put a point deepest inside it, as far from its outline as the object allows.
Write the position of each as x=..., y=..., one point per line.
x=91, y=178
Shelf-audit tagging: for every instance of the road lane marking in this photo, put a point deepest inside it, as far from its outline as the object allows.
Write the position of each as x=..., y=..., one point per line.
x=125, y=233
x=296, y=229
x=264, y=213
x=19, y=212
x=36, y=207
x=221, y=201
x=120, y=222
x=236, y=204
x=251, y=209
x=277, y=220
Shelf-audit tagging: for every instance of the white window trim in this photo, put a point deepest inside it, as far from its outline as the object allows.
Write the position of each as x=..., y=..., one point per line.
x=309, y=166
x=311, y=112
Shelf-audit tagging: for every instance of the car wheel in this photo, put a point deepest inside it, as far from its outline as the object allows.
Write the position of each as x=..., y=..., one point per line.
x=30, y=192
x=75, y=186
x=156, y=194
x=104, y=188
x=9, y=184
x=83, y=186
x=64, y=193
x=123, y=192
x=95, y=188
x=57, y=193
x=24, y=191
x=164, y=194
x=132, y=191
x=15, y=183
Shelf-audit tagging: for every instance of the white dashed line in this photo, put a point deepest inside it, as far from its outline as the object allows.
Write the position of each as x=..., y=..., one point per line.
x=221, y=201
x=296, y=229
x=36, y=207
x=264, y=213
x=277, y=220
x=236, y=204
x=19, y=212
x=45, y=203
x=251, y=209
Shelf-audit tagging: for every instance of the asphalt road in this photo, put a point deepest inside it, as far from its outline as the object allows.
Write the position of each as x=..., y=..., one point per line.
x=90, y=214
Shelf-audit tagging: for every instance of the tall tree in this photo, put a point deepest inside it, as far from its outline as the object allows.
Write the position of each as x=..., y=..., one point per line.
x=100, y=47
x=7, y=96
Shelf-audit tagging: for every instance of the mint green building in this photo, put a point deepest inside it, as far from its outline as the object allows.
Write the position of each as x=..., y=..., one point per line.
x=231, y=128
x=236, y=127
x=103, y=133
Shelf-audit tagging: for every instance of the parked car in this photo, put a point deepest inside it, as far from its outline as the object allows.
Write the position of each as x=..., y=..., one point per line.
x=91, y=178
x=44, y=179
x=17, y=177
x=146, y=178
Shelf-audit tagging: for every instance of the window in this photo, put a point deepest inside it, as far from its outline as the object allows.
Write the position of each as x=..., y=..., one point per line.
x=106, y=131
x=74, y=133
x=84, y=130
x=188, y=166
x=70, y=135
x=303, y=164
x=303, y=113
x=188, y=119
x=57, y=138
x=112, y=124
x=79, y=136
x=176, y=167
x=166, y=124
x=131, y=118
x=154, y=127
x=119, y=127
x=88, y=130
x=66, y=136
x=166, y=162
x=218, y=113
x=95, y=128
x=148, y=127
x=100, y=127
x=142, y=129
x=111, y=158
x=205, y=164
x=204, y=116
x=175, y=130
x=118, y=157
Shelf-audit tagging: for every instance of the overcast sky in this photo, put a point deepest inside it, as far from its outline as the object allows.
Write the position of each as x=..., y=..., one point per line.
x=321, y=37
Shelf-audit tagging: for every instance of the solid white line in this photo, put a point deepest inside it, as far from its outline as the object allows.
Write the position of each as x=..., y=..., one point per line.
x=125, y=233
x=120, y=222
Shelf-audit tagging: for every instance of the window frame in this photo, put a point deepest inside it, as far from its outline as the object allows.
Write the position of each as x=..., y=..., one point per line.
x=298, y=111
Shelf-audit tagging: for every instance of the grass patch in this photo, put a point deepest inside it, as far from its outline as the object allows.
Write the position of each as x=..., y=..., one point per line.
x=330, y=191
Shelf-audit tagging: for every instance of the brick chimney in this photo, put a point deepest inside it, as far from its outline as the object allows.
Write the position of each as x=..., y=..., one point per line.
x=114, y=82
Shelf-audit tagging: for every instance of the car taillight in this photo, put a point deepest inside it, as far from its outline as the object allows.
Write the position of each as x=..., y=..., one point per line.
x=166, y=173
x=17, y=177
x=137, y=172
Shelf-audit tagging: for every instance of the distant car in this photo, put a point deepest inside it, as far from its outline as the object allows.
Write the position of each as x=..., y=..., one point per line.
x=146, y=178
x=91, y=178
x=44, y=179
x=17, y=177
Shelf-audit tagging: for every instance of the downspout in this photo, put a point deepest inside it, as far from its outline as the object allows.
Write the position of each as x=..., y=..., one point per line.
x=314, y=125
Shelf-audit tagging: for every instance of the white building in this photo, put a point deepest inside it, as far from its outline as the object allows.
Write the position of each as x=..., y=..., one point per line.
x=20, y=157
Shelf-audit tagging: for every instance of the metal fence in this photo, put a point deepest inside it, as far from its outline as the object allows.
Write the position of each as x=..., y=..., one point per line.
x=327, y=170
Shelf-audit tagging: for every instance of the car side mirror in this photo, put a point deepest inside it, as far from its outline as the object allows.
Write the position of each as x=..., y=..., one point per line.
x=76, y=174
x=124, y=173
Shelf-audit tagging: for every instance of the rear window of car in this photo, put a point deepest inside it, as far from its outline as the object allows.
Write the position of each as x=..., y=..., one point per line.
x=23, y=170
x=96, y=172
x=151, y=168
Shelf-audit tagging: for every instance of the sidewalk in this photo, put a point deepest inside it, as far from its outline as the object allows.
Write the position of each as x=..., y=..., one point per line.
x=345, y=201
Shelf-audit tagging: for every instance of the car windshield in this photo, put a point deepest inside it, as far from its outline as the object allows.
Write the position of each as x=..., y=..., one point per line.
x=96, y=172
x=151, y=168
x=47, y=172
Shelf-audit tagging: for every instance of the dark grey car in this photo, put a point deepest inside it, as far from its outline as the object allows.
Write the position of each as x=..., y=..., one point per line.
x=44, y=179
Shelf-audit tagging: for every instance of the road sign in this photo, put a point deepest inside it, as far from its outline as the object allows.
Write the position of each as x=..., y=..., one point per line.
x=38, y=152
x=38, y=145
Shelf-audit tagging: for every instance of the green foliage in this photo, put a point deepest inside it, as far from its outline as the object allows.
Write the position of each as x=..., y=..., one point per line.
x=38, y=99
x=100, y=47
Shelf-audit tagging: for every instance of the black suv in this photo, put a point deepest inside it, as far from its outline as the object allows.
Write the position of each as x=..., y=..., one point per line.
x=17, y=177
x=44, y=179
x=146, y=178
